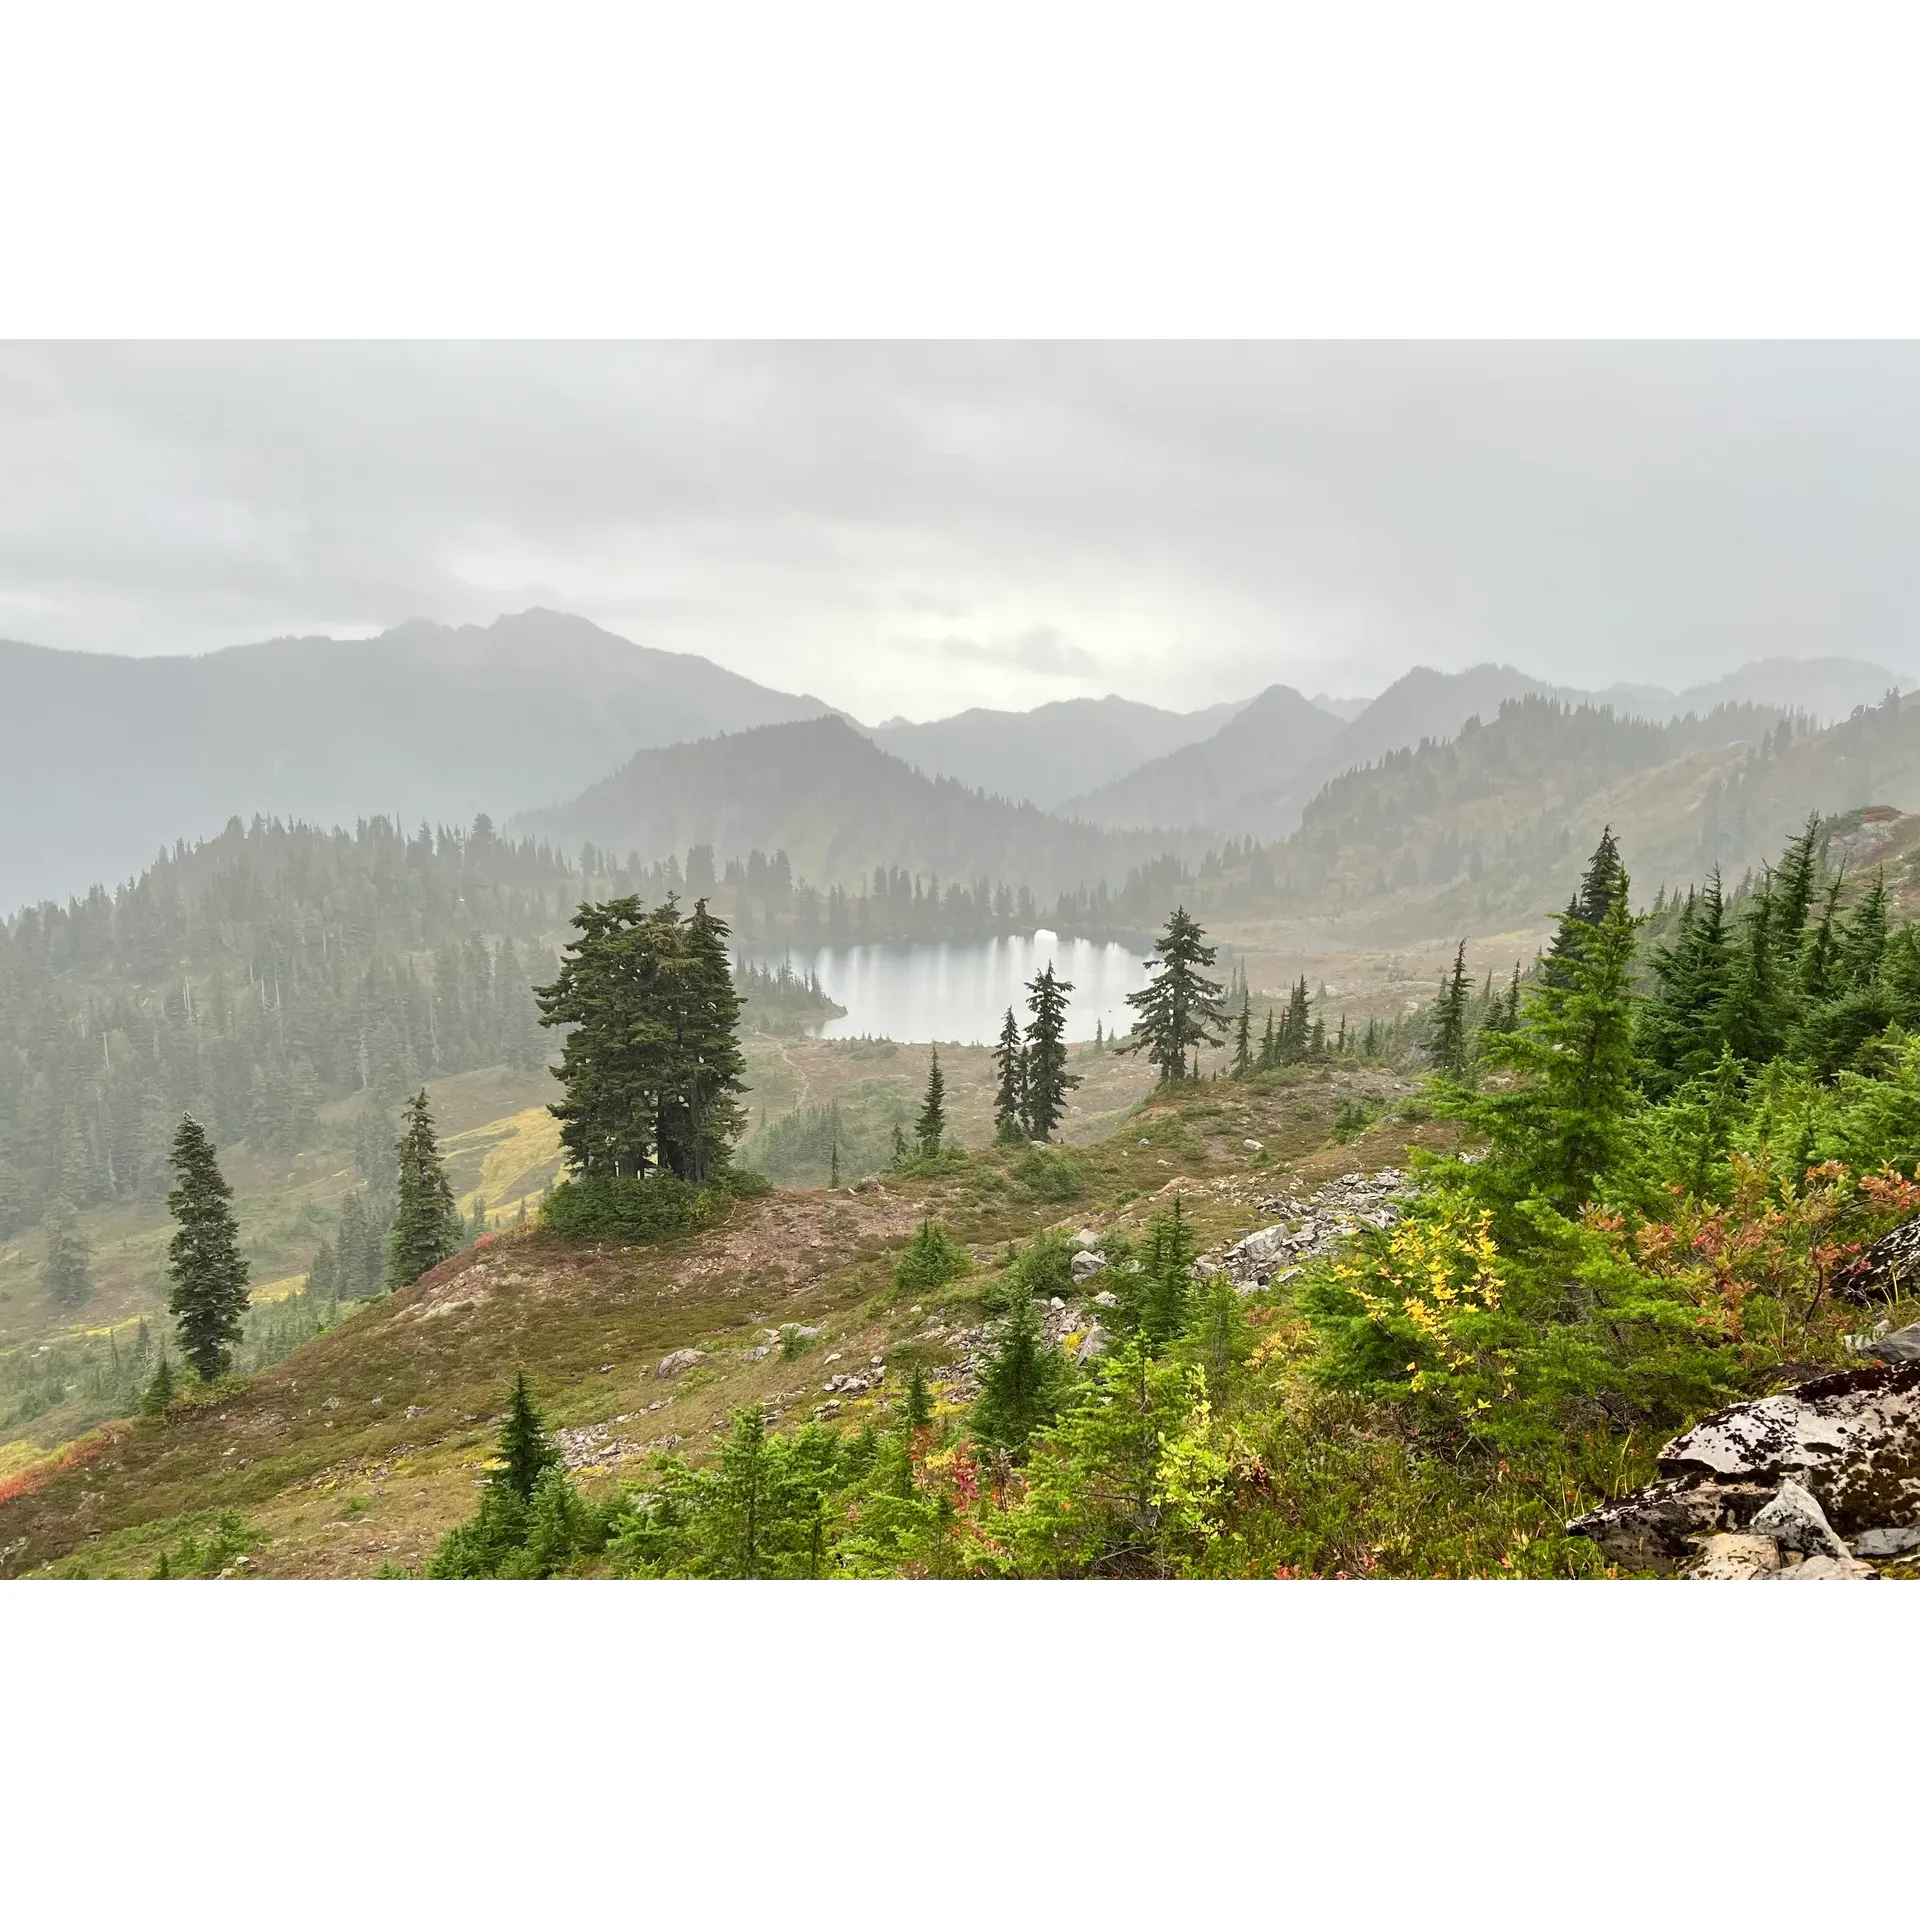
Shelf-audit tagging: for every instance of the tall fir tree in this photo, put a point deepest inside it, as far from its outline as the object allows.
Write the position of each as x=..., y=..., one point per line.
x=426, y=1223
x=207, y=1279
x=1181, y=1008
x=931, y=1124
x=1009, y=1083
x=1572, y=1073
x=66, y=1268
x=1448, y=1045
x=1047, y=1081
x=1243, y=1041
x=1604, y=880
x=1684, y=1024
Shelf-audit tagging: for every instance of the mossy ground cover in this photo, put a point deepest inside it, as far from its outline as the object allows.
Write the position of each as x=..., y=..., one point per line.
x=394, y=1407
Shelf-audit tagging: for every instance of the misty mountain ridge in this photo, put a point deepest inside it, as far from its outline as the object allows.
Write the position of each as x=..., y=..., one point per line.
x=1051, y=751
x=838, y=805
x=112, y=757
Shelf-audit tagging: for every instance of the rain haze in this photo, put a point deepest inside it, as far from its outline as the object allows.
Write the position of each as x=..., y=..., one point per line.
x=910, y=530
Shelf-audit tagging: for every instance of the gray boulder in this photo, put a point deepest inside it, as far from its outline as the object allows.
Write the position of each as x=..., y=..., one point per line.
x=1793, y=1518
x=1894, y=1348
x=678, y=1361
x=1886, y=1543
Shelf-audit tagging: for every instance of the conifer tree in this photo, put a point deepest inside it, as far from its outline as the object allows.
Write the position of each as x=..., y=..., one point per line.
x=159, y=1394
x=932, y=1121
x=207, y=1279
x=1268, y=1057
x=1161, y=1293
x=1685, y=1023
x=1796, y=884
x=426, y=1224
x=1449, y=1043
x=1604, y=880
x=1180, y=1008
x=1010, y=1083
x=1290, y=1048
x=916, y=1408
x=1047, y=1081
x=525, y=1451
x=323, y=1277
x=66, y=1270
x=1243, y=1042
x=1023, y=1385
x=1560, y=1124
x=652, y=1064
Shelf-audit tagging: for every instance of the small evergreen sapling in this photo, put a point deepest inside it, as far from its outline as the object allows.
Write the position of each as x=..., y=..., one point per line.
x=931, y=1259
x=1024, y=1384
x=159, y=1394
x=525, y=1451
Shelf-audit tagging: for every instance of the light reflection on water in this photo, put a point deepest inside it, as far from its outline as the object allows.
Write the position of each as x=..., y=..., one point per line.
x=959, y=991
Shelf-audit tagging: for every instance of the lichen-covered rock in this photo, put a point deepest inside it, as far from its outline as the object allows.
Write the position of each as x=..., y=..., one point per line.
x=1850, y=1441
x=678, y=1361
x=1661, y=1526
x=1887, y=1266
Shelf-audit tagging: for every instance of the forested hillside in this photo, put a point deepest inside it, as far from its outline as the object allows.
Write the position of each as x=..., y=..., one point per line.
x=250, y=979
x=426, y=721
x=1239, y=779
x=838, y=806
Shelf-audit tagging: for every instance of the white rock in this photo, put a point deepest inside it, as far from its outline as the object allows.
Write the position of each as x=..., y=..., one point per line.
x=1737, y=1556
x=1106, y=1299
x=678, y=1361
x=1086, y=1239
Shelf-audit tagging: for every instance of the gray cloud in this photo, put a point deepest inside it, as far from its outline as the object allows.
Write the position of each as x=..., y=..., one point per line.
x=1179, y=523
x=1040, y=650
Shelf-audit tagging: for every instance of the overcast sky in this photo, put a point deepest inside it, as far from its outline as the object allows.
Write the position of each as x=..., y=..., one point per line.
x=917, y=529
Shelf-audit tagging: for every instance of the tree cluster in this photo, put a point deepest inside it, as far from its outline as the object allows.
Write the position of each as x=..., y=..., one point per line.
x=651, y=1064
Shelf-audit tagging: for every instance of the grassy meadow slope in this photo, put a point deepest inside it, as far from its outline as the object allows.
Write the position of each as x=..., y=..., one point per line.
x=362, y=1447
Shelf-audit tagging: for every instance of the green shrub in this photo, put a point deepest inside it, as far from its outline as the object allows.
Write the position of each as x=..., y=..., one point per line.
x=1354, y=1117
x=629, y=1210
x=1051, y=1173
x=932, y=1258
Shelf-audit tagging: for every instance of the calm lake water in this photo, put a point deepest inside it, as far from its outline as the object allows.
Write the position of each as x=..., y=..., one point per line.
x=959, y=991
